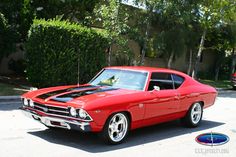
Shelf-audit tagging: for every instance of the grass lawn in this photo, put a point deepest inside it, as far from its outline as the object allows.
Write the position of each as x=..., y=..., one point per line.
x=6, y=90
x=226, y=84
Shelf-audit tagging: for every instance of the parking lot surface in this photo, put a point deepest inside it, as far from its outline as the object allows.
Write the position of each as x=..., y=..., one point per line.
x=23, y=137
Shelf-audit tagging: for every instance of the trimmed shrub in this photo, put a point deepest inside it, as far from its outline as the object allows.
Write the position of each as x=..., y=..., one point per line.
x=55, y=47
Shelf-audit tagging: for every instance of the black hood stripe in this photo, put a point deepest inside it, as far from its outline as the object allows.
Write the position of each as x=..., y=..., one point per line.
x=70, y=96
x=47, y=95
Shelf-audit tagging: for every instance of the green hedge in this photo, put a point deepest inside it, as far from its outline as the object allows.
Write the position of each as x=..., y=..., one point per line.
x=53, y=48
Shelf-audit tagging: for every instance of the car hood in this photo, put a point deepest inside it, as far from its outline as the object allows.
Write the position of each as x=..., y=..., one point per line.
x=81, y=96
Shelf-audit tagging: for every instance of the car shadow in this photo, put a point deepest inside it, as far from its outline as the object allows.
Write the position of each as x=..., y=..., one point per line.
x=92, y=143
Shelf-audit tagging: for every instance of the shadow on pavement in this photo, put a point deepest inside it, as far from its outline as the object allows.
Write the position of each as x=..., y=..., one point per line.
x=91, y=143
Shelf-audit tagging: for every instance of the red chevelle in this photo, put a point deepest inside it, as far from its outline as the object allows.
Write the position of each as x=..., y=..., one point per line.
x=119, y=99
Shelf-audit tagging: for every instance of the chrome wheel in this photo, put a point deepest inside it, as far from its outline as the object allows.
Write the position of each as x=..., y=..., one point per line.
x=117, y=127
x=196, y=113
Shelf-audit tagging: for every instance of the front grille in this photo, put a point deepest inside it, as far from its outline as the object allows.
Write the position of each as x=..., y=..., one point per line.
x=52, y=109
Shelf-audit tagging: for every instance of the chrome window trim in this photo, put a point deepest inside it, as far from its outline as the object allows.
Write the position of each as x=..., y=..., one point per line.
x=141, y=71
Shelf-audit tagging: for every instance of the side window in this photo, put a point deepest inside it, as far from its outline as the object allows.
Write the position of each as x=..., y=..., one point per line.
x=178, y=80
x=162, y=80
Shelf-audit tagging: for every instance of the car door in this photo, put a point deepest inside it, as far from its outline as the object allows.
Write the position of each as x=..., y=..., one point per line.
x=164, y=100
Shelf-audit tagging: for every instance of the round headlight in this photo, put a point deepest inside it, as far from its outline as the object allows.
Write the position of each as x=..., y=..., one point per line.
x=82, y=114
x=25, y=102
x=73, y=112
x=31, y=103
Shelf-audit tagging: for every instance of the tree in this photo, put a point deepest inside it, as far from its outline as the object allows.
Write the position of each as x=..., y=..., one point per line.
x=73, y=10
x=6, y=37
x=173, y=18
x=217, y=42
x=208, y=15
x=20, y=13
x=19, y=17
x=114, y=18
x=171, y=43
x=232, y=44
x=143, y=28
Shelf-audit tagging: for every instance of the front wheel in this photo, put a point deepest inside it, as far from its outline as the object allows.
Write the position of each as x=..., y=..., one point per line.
x=194, y=115
x=116, y=128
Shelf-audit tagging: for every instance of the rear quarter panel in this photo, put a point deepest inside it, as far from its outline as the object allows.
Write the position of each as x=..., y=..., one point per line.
x=196, y=92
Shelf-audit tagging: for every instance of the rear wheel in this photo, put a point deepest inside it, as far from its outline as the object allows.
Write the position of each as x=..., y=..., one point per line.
x=194, y=115
x=116, y=128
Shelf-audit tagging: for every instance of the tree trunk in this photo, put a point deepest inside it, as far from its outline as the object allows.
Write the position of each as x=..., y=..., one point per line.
x=78, y=69
x=144, y=47
x=233, y=62
x=170, y=60
x=109, y=56
x=217, y=70
x=143, y=52
x=190, y=61
x=201, y=46
x=147, y=31
x=220, y=56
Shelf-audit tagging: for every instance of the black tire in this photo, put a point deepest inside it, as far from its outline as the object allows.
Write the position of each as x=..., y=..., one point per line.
x=188, y=120
x=106, y=133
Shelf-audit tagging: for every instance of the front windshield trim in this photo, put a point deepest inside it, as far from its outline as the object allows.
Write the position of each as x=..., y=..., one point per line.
x=146, y=82
x=142, y=71
x=96, y=75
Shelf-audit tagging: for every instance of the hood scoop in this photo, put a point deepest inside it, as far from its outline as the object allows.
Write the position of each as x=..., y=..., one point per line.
x=65, y=99
x=70, y=96
x=47, y=95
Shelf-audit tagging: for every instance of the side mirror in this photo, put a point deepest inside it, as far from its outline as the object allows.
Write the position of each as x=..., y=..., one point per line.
x=157, y=88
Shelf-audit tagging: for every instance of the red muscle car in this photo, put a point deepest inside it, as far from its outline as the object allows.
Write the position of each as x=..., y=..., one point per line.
x=119, y=99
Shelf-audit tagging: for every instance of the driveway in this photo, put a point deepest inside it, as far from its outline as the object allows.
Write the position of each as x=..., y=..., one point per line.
x=23, y=137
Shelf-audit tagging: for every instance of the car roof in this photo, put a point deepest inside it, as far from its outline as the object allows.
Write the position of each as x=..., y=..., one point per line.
x=146, y=69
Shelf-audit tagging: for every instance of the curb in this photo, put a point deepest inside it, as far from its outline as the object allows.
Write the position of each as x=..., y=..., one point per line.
x=224, y=90
x=15, y=98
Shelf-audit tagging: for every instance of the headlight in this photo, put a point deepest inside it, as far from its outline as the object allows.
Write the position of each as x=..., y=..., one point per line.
x=82, y=114
x=25, y=102
x=73, y=112
x=31, y=103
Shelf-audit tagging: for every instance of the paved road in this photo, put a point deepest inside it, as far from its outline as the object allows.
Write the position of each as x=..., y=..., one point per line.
x=23, y=137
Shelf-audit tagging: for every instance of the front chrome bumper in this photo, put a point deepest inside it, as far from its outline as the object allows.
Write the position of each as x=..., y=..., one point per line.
x=57, y=122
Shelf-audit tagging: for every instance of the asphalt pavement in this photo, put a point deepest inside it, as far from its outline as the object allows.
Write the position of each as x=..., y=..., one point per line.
x=23, y=137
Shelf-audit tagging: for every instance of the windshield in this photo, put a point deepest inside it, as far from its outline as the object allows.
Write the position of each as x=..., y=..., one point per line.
x=116, y=78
